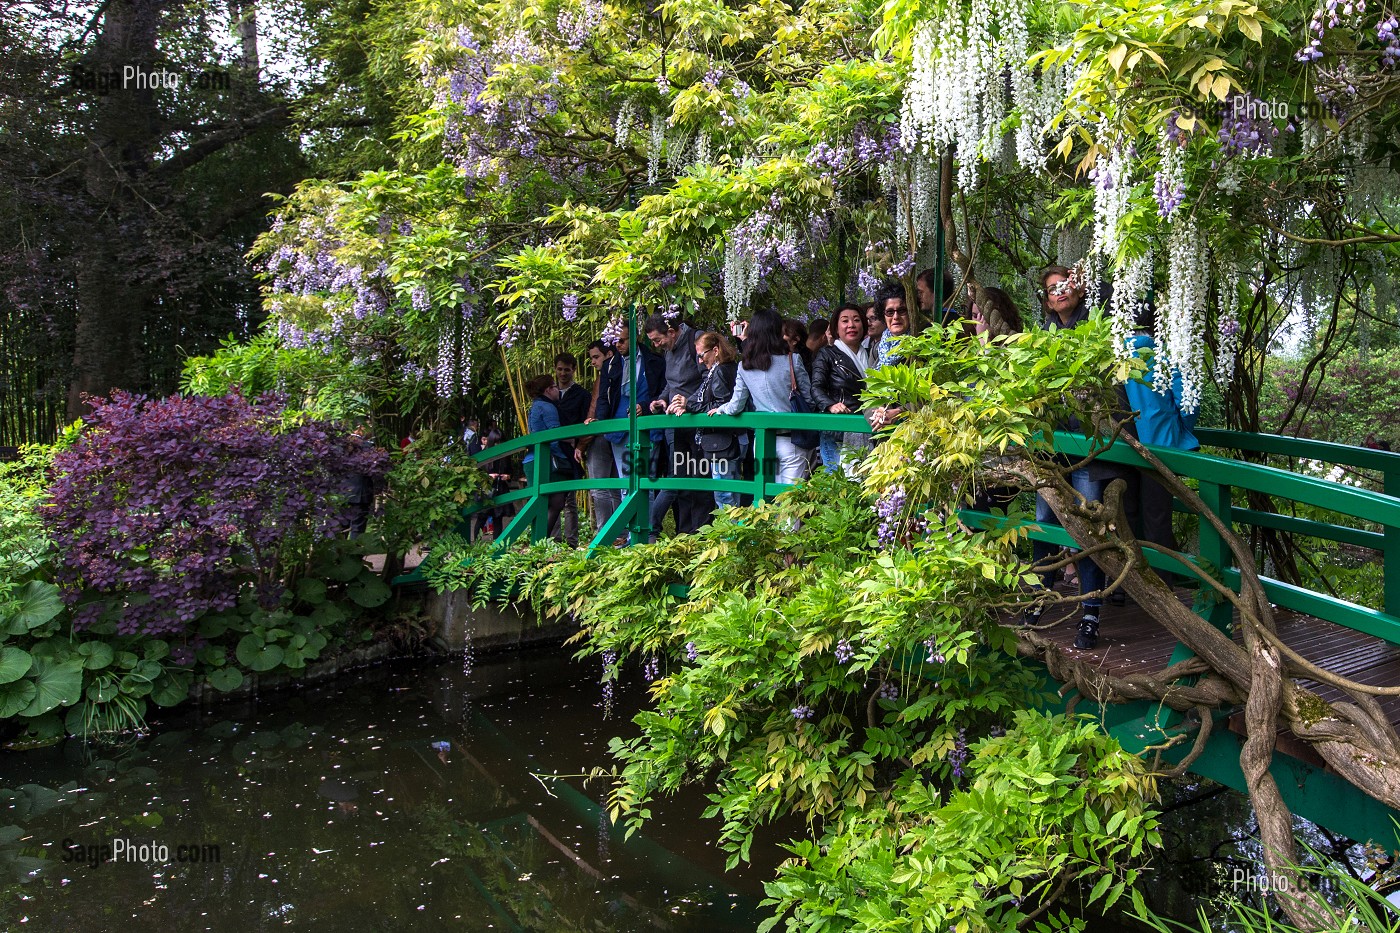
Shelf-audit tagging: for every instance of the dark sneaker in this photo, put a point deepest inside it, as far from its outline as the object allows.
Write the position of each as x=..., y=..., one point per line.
x=1031, y=616
x=1088, y=635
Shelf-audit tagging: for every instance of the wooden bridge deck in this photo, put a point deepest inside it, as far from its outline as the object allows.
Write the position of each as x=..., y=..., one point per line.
x=1132, y=642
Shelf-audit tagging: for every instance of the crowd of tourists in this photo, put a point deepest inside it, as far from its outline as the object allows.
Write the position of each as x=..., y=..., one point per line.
x=769, y=364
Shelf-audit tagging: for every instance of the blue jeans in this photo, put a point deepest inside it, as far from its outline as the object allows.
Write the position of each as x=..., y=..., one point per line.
x=724, y=468
x=1091, y=575
x=831, y=449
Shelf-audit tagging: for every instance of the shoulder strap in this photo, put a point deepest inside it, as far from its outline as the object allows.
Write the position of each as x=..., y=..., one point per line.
x=792, y=373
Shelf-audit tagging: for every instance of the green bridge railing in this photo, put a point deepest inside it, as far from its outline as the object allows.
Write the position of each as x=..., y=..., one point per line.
x=1365, y=518
x=1342, y=513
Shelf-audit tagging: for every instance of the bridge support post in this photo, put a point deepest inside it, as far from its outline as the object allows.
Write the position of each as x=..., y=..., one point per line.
x=1215, y=552
x=1390, y=556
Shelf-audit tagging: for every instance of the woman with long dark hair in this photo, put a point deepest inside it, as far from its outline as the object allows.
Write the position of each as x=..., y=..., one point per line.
x=795, y=333
x=838, y=377
x=768, y=374
x=544, y=415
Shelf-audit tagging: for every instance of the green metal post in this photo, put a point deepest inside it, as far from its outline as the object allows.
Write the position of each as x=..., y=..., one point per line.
x=1391, y=553
x=1213, y=549
x=639, y=528
x=764, y=461
x=940, y=240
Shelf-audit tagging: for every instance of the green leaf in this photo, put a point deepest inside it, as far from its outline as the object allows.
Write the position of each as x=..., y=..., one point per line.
x=44, y=729
x=256, y=655
x=39, y=602
x=157, y=649
x=345, y=569
x=14, y=663
x=58, y=684
x=16, y=696
x=226, y=679
x=102, y=690
x=172, y=689
x=312, y=592
x=213, y=626
x=331, y=615
x=369, y=593
x=96, y=655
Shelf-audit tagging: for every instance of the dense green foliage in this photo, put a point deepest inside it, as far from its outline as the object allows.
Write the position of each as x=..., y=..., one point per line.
x=56, y=680
x=838, y=653
x=1356, y=397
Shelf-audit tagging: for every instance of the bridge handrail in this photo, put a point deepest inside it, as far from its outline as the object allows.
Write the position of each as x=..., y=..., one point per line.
x=1217, y=477
x=1303, y=448
x=773, y=420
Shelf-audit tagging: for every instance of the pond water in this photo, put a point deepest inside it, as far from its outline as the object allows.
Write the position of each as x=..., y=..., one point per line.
x=405, y=797
x=400, y=799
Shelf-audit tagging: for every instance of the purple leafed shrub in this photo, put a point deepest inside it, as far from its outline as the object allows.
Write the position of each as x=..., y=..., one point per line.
x=166, y=510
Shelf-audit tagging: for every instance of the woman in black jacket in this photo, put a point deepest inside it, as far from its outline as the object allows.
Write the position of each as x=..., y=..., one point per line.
x=838, y=378
x=720, y=446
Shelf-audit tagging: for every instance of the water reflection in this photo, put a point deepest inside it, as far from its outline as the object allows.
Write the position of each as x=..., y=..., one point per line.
x=404, y=801
x=408, y=800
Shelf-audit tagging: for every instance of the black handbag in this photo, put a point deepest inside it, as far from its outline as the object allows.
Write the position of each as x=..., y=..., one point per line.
x=717, y=442
x=806, y=440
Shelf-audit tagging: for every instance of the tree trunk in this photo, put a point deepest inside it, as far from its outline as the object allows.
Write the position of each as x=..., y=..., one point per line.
x=112, y=303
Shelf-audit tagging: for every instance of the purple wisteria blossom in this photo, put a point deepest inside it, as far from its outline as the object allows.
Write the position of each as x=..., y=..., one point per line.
x=958, y=756
x=890, y=510
x=1244, y=128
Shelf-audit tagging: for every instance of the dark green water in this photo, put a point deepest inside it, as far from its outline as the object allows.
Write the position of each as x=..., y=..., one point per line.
x=401, y=800
x=417, y=798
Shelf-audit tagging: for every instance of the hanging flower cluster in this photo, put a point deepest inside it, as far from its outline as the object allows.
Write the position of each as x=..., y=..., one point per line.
x=481, y=130
x=1169, y=187
x=655, y=143
x=1180, y=319
x=956, y=94
x=1113, y=192
x=1131, y=285
x=1245, y=127
x=1228, y=338
x=762, y=245
x=577, y=26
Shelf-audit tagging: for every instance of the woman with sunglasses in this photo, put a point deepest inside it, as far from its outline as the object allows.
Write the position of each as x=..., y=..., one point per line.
x=899, y=322
x=1063, y=294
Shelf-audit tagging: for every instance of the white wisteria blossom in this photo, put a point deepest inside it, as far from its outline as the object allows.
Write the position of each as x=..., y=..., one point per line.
x=1181, y=317
x=1131, y=285
x=1227, y=286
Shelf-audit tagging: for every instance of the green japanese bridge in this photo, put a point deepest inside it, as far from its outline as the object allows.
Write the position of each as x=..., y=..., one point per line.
x=1344, y=638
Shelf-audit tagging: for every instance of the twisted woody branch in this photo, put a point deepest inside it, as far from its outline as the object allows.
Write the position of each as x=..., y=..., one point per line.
x=1355, y=738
